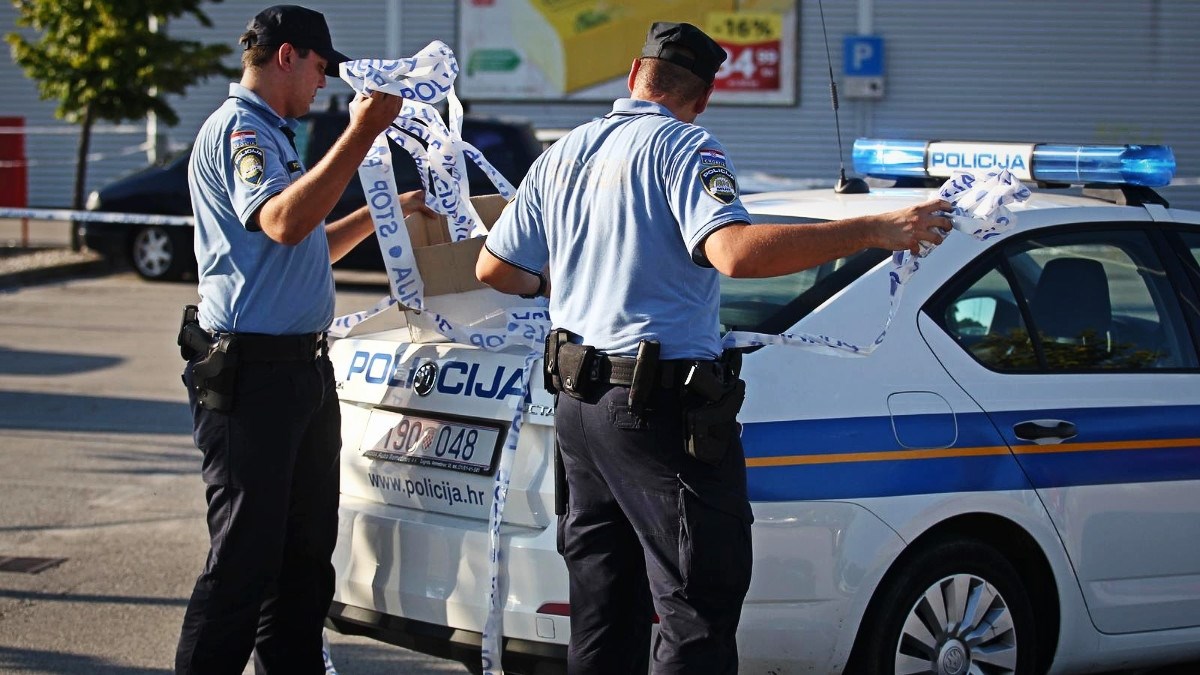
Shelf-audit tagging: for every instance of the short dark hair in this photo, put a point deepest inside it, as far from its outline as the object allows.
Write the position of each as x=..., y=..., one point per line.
x=664, y=78
x=255, y=56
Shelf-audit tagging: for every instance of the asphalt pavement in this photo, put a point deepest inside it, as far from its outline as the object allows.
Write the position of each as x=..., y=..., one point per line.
x=102, y=528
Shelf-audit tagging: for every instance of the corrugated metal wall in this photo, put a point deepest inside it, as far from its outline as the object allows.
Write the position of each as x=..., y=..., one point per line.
x=357, y=27
x=1110, y=71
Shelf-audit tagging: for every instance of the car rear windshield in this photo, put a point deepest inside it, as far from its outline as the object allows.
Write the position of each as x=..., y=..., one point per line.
x=773, y=305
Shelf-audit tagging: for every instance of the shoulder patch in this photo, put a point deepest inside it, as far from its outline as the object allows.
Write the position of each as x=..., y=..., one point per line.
x=712, y=157
x=719, y=182
x=249, y=165
x=242, y=138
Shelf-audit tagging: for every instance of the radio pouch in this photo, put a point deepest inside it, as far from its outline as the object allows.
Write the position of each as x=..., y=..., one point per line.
x=574, y=362
x=555, y=339
x=711, y=426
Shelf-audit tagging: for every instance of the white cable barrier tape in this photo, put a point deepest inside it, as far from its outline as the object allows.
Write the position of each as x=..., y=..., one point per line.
x=439, y=151
x=980, y=210
x=72, y=130
x=94, y=216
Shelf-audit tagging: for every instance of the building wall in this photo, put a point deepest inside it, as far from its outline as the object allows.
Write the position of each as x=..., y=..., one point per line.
x=1115, y=71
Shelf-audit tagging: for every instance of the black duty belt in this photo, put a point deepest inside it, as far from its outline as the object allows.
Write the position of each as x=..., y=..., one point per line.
x=260, y=347
x=618, y=370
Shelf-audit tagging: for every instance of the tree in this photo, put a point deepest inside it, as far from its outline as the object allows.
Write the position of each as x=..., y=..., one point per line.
x=106, y=60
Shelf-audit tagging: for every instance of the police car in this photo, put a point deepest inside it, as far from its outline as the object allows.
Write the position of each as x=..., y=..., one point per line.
x=1009, y=483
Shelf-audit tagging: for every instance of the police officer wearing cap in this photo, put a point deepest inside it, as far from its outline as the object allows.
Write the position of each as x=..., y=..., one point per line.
x=259, y=381
x=633, y=216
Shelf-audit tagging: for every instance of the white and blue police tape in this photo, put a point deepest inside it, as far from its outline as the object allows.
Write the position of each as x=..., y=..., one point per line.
x=525, y=327
x=439, y=150
x=325, y=654
x=492, y=642
x=94, y=216
x=980, y=210
x=423, y=80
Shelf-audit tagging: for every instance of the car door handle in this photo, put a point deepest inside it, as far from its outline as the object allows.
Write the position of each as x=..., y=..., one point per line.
x=1045, y=431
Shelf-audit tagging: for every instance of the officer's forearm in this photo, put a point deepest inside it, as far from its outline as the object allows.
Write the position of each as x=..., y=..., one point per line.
x=345, y=233
x=755, y=251
x=291, y=215
x=505, y=277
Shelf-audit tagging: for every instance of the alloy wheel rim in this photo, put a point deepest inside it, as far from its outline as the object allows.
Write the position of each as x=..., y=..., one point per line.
x=152, y=252
x=960, y=625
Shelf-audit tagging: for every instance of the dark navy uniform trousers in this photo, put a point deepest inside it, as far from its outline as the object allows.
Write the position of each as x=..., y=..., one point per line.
x=649, y=530
x=271, y=475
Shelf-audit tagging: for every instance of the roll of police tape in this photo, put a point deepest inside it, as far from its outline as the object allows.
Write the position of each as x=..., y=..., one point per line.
x=980, y=210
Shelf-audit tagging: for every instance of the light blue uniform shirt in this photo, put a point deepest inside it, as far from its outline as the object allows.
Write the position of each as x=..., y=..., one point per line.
x=248, y=282
x=619, y=208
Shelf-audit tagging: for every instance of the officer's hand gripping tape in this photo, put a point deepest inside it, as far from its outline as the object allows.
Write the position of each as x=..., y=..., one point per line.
x=215, y=374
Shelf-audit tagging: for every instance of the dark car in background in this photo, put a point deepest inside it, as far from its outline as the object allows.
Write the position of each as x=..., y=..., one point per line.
x=165, y=252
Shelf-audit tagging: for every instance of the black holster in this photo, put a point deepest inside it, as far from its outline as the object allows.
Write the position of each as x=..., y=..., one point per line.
x=713, y=396
x=215, y=373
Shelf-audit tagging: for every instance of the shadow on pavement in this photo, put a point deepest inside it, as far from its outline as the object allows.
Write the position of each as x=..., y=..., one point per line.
x=13, y=660
x=21, y=528
x=25, y=362
x=38, y=596
x=381, y=659
x=76, y=412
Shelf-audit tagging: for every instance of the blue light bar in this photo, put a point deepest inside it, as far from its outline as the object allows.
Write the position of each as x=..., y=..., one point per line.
x=1146, y=165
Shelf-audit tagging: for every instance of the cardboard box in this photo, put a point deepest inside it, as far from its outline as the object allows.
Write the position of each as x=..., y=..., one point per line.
x=448, y=271
x=449, y=267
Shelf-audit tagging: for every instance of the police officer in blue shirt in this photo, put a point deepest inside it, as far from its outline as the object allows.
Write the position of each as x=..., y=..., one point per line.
x=634, y=214
x=259, y=381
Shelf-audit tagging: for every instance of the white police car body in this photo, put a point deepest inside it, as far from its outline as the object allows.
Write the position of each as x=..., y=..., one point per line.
x=1009, y=483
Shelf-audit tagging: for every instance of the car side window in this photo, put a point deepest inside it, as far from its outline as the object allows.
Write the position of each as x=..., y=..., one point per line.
x=1075, y=302
x=986, y=321
x=1192, y=241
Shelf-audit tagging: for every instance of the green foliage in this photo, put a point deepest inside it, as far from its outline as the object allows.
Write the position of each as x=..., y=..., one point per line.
x=100, y=60
x=1088, y=351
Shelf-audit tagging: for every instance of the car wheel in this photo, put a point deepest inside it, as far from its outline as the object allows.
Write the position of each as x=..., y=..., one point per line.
x=956, y=608
x=159, y=254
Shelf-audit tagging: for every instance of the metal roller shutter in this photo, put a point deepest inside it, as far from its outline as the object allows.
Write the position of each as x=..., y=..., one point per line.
x=1110, y=71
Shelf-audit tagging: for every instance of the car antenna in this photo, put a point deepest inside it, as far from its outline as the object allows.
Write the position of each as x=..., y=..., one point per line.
x=852, y=186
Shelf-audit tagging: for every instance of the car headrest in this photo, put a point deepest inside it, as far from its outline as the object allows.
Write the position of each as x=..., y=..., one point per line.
x=1071, y=298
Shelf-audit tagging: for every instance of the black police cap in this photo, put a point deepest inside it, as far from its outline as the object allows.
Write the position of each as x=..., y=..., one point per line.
x=299, y=27
x=686, y=46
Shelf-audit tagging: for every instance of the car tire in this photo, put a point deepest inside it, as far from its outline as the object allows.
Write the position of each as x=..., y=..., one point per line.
x=160, y=253
x=954, y=608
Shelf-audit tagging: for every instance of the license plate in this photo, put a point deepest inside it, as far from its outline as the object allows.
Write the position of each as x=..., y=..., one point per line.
x=441, y=443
